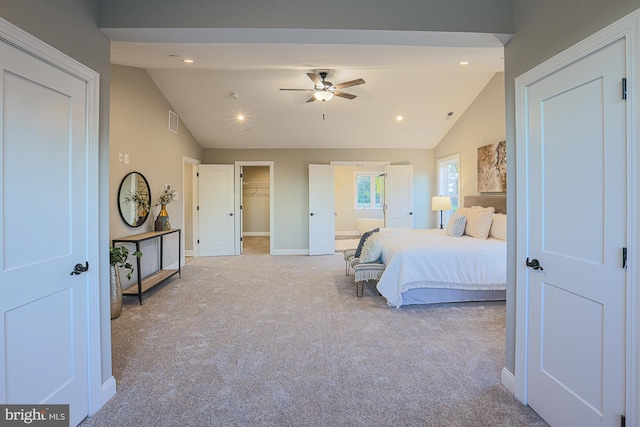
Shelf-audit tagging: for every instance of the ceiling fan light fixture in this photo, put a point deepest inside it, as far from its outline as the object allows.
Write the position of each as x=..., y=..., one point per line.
x=323, y=95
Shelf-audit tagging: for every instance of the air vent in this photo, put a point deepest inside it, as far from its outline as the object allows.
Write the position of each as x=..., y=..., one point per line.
x=173, y=122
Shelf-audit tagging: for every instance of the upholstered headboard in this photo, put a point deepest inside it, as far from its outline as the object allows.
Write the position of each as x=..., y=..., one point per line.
x=498, y=202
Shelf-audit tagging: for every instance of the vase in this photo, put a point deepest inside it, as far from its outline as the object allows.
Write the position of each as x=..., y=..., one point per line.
x=116, y=292
x=163, y=218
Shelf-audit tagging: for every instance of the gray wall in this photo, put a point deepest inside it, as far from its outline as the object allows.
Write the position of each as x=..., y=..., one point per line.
x=490, y=16
x=544, y=28
x=291, y=186
x=139, y=128
x=70, y=26
x=481, y=124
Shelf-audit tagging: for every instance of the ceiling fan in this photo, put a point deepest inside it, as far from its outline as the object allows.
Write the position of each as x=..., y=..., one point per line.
x=324, y=90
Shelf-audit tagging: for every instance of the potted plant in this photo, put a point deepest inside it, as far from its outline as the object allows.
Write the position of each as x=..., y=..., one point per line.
x=119, y=259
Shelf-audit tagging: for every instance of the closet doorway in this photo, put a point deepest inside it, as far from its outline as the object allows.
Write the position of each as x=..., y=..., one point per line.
x=254, y=223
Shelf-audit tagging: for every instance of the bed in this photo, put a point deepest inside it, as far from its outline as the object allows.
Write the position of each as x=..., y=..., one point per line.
x=429, y=266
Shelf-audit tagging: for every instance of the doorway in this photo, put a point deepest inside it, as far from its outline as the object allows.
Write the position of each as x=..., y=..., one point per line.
x=255, y=193
x=572, y=349
x=255, y=218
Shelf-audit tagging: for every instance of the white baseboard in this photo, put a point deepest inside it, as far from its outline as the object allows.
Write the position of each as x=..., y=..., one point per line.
x=256, y=233
x=508, y=381
x=188, y=252
x=290, y=252
x=173, y=266
x=108, y=390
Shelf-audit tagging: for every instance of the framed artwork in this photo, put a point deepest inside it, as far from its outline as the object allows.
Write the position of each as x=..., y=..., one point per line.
x=492, y=168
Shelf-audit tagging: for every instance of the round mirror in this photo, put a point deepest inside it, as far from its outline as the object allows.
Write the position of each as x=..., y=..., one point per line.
x=134, y=199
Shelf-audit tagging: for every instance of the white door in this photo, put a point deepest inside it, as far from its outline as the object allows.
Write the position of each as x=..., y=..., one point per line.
x=398, y=192
x=215, y=212
x=44, y=197
x=321, y=210
x=576, y=197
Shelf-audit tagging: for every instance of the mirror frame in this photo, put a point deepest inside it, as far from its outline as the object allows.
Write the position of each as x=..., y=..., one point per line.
x=139, y=221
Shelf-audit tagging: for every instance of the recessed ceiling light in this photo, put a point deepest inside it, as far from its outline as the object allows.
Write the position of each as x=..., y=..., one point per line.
x=463, y=62
x=188, y=61
x=240, y=117
x=399, y=118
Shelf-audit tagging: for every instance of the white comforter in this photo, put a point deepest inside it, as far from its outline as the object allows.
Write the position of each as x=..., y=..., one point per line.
x=430, y=259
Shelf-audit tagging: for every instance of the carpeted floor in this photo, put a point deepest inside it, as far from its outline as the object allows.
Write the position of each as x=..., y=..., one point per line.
x=256, y=340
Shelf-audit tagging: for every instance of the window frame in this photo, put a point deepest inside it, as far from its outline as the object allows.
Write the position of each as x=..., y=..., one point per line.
x=372, y=175
x=443, y=183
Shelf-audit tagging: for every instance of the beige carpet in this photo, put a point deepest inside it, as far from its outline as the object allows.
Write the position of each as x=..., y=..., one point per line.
x=284, y=341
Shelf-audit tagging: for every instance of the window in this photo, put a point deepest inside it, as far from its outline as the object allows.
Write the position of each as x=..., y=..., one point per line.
x=449, y=182
x=369, y=191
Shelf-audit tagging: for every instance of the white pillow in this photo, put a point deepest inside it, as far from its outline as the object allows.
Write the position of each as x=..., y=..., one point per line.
x=372, y=248
x=479, y=222
x=499, y=227
x=455, y=225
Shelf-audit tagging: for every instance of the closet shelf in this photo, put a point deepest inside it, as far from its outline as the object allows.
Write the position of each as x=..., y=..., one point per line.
x=255, y=184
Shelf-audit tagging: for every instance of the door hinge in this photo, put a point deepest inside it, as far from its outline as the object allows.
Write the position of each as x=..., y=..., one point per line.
x=624, y=88
x=623, y=421
x=197, y=208
x=197, y=173
x=624, y=258
x=198, y=241
x=241, y=239
x=240, y=207
x=240, y=175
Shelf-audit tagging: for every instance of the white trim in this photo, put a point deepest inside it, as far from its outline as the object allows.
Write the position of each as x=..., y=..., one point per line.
x=626, y=28
x=194, y=218
x=108, y=390
x=357, y=163
x=13, y=35
x=272, y=196
x=508, y=380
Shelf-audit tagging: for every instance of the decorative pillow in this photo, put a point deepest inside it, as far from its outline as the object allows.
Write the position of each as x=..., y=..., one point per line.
x=455, y=225
x=363, y=239
x=499, y=227
x=479, y=222
x=372, y=248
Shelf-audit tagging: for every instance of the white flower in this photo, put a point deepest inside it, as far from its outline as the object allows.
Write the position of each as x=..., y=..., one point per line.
x=166, y=197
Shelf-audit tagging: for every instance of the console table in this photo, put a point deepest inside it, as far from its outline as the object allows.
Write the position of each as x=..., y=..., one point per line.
x=147, y=283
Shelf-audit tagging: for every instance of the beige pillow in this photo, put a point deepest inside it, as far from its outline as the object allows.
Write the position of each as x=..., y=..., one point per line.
x=499, y=227
x=479, y=222
x=455, y=225
x=372, y=248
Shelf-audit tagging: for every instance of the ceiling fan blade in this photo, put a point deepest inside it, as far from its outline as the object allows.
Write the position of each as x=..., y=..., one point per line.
x=315, y=79
x=349, y=84
x=305, y=90
x=344, y=95
x=313, y=98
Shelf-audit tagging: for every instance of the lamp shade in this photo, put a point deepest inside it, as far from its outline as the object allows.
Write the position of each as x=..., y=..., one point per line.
x=323, y=95
x=440, y=203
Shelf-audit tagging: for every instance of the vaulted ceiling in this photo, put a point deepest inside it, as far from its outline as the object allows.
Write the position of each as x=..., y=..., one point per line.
x=415, y=75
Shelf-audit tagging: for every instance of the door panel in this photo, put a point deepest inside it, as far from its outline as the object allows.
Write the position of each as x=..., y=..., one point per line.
x=398, y=196
x=321, y=210
x=576, y=192
x=44, y=225
x=216, y=222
